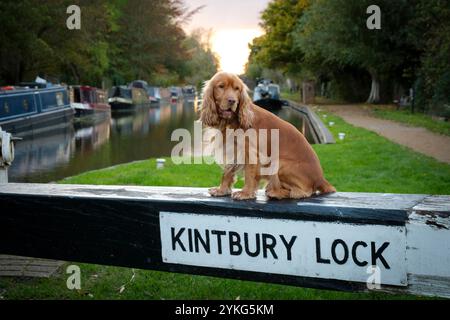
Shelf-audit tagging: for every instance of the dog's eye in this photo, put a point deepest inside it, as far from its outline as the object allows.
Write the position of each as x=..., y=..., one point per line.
x=237, y=88
x=221, y=86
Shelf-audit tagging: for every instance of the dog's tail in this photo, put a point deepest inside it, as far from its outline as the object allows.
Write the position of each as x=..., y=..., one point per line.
x=325, y=187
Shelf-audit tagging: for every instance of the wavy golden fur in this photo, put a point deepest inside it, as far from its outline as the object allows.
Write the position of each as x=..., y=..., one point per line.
x=226, y=104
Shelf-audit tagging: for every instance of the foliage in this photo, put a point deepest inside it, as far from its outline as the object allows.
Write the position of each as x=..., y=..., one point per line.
x=431, y=35
x=122, y=40
x=328, y=41
x=337, y=32
x=203, y=62
x=275, y=49
x=147, y=40
x=334, y=33
x=44, y=46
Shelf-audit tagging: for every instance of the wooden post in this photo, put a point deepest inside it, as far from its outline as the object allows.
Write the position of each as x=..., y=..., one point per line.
x=308, y=92
x=343, y=241
x=3, y=174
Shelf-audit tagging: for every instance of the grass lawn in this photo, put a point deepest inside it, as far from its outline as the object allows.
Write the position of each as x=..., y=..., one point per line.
x=416, y=119
x=295, y=96
x=362, y=162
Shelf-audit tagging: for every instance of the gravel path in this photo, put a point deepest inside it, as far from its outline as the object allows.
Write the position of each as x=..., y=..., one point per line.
x=418, y=139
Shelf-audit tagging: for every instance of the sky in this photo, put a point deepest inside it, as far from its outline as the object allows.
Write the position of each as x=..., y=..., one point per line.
x=234, y=24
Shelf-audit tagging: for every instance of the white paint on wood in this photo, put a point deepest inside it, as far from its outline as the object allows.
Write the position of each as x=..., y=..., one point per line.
x=428, y=249
x=428, y=286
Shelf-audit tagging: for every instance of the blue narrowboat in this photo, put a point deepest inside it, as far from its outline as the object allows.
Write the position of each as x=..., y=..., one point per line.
x=34, y=109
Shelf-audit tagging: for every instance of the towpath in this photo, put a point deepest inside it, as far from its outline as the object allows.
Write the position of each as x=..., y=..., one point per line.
x=419, y=139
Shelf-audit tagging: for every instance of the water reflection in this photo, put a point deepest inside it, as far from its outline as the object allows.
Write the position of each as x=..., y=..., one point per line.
x=99, y=142
x=41, y=154
x=92, y=133
x=299, y=120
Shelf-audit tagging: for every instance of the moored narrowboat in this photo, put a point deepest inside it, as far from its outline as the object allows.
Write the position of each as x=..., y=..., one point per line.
x=86, y=100
x=34, y=108
x=125, y=98
x=120, y=97
x=152, y=93
x=267, y=95
x=188, y=91
x=175, y=94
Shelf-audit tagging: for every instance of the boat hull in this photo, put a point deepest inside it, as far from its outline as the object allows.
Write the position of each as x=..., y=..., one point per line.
x=121, y=104
x=24, y=110
x=84, y=109
x=39, y=123
x=122, y=98
x=269, y=104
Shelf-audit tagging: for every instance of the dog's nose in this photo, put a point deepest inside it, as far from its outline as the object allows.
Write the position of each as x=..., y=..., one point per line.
x=231, y=101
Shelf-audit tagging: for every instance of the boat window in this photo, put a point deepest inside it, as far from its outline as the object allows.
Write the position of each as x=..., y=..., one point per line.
x=273, y=90
x=59, y=99
x=86, y=96
x=126, y=93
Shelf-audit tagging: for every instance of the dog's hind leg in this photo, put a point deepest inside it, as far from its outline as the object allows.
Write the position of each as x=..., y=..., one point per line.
x=278, y=193
x=297, y=193
x=274, y=190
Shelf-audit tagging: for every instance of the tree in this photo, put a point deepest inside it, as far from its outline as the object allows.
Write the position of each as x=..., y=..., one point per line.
x=123, y=40
x=203, y=62
x=430, y=34
x=275, y=49
x=44, y=45
x=22, y=47
x=335, y=33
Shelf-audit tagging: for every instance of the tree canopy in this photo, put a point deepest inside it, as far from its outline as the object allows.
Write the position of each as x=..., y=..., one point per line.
x=326, y=39
x=119, y=40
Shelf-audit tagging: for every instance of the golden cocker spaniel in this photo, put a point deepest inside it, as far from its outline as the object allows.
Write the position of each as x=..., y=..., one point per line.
x=227, y=105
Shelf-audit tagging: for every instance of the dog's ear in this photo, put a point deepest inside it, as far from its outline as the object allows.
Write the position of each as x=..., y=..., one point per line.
x=208, y=115
x=245, y=112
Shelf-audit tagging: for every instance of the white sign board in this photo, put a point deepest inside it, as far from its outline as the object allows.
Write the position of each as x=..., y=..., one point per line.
x=301, y=248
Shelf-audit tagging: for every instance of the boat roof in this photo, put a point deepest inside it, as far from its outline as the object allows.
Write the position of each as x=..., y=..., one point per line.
x=83, y=87
x=15, y=89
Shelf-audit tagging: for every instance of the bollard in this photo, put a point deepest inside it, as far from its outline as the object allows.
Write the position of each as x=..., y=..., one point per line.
x=160, y=163
x=6, y=154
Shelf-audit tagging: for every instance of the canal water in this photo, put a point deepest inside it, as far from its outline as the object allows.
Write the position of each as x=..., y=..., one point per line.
x=103, y=141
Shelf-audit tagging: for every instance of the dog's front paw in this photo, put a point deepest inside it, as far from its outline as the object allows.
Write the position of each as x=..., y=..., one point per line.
x=218, y=192
x=243, y=195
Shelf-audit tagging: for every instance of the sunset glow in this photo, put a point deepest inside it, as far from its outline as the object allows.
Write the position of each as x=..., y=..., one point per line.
x=231, y=45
